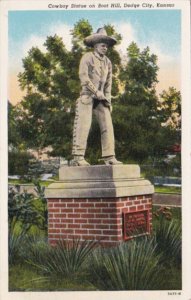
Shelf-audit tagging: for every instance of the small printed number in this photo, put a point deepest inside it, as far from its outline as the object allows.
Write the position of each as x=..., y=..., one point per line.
x=174, y=293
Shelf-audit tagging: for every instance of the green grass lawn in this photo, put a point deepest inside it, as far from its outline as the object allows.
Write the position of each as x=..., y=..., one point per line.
x=23, y=277
x=19, y=181
x=167, y=189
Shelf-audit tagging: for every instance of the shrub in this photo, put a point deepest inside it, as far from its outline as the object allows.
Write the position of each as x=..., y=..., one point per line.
x=130, y=266
x=15, y=241
x=19, y=162
x=168, y=239
x=66, y=259
x=26, y=209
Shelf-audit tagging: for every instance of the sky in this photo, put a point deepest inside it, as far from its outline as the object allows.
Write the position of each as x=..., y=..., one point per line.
x=158, y=29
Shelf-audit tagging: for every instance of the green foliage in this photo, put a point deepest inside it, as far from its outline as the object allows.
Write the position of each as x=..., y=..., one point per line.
x=14, y=138
x=168, y=239
x=18, y=162
x=170, y=107
x=26, y=209
x=15, y=243
x=130, y=266
x=35, y=170
x=66, y=259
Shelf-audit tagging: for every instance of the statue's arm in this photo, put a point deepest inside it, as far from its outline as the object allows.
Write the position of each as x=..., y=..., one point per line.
x=108, y=84
x=84, y=76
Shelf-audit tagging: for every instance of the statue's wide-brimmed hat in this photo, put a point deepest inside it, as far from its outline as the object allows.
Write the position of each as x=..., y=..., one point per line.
x=99, y=37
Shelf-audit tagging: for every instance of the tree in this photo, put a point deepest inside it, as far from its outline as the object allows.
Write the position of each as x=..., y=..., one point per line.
x=135, y=113
x=170, y=109
x=138, y=130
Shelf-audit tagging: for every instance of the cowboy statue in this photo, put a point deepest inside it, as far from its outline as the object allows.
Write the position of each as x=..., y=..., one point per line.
x=95, y=74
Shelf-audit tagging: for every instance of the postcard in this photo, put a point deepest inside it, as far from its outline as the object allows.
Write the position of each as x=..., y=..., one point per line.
x=95, y=149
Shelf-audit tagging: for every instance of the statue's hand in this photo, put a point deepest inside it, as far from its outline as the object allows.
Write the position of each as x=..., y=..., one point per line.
x=100, y=95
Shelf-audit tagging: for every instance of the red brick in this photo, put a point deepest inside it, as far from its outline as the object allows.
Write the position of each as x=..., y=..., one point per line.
x=110, y=199
x=132, y=208
x=80, y=200
x=87, y=205
x=136, y=202
x=81, y=231
x=140, y=207
x=59, y=204
x=54, y=220
x=87, y=216
x=66, y=210
x=116, y=238
x=109, y=221
x=76, y=236
x=73, y=204
x=118, y=227
x=60, y=216
x=120, y=204
x=112, y=204
x=101, y=204
x=94, y=199
x=52, y=200
x=75, y=226
x=129, y=203
x=74, y=215
x=139, y=197
x=95, y=231
x=53, y=210
x=110, y=210
x=51, y=225
x=126, y=209
x=101, y=226
x=66, y=231
x=144, y=201
x=60, y=225
x=94, y=210
x=54, y=230
x=80, y=210
x=50, y=205
x=103, y=216
x=147, y=205
x=115, y=216
x=88, y=237
x=94, y=221
x=67, y=200
x=88, y=226
x=111, y=232
x=132, y=198
x=66, y=221
x=80, y=221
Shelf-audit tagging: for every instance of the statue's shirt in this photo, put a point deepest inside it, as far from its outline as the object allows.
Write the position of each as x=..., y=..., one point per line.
x=95, y=74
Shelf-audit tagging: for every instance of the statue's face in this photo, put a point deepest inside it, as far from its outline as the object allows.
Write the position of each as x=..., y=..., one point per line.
x=101, y=48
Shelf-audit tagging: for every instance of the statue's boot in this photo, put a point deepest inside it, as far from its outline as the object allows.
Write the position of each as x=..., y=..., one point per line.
x=79, y=161
x=111, y=160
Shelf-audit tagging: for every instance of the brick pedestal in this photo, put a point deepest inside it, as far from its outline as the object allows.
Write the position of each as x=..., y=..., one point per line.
x=108, y=219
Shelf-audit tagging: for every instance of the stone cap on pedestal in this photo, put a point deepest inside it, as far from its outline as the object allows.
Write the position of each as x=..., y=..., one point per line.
x=99, y=182
x=99, y=172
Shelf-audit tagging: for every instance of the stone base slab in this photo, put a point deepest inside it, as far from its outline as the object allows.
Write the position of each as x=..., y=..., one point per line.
x=99, y=181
